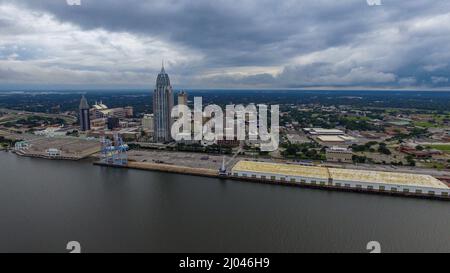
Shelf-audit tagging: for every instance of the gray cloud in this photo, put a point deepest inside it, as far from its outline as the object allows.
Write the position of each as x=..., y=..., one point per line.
x=246, y=43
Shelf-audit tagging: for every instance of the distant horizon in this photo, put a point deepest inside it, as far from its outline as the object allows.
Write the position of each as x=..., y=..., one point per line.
x=86, y=90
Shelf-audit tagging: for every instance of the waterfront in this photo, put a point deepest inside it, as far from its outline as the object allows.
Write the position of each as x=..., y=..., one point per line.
x=45, y=204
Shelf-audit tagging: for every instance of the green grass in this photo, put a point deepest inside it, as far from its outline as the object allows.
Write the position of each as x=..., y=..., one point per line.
x=444, y=148
x=434, y=165
x=353, y=118
x=425, y=124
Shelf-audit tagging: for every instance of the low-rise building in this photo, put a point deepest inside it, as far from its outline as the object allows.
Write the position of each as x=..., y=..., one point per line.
x=416, y=153
x=338, y=154
x=321, y=131
x=148, y=122
x=100, y=110
x=98, y=124
x=53, y=152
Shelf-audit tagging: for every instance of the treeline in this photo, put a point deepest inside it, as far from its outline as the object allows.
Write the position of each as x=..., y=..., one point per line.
x=34, y=121
x=305, y=151
x=368, y=147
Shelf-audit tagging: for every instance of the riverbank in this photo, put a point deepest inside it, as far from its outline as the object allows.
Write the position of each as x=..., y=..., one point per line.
x=49, y=157
x=146, y=166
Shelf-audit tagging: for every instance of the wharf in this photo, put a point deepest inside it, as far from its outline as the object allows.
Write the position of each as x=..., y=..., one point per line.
x=167, y=168
x=164, y=168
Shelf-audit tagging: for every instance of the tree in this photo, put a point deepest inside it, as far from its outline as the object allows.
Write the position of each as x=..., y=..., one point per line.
x=359, y=159
x=411, y=161
x=384, y=150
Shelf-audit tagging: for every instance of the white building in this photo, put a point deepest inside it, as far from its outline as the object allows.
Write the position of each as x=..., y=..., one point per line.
x=100, y=110
x=53, y=152
x=321, y=131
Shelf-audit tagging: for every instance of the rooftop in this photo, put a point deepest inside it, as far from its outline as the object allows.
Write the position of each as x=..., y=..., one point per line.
x=394, y=178
x=404, y=179
x=330, y=139
x=274, y=168
x=321, y=131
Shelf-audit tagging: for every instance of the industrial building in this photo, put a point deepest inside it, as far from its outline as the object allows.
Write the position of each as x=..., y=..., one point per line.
x=346, y=179
x=321, y=131
x=330, y=139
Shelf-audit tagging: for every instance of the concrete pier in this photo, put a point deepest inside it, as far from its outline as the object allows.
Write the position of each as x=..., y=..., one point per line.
x=165, y=168
x=146, y=166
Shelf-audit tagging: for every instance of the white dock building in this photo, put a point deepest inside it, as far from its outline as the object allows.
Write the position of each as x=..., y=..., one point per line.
x=392, y=182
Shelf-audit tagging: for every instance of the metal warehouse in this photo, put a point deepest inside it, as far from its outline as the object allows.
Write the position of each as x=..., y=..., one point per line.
x=410, y=184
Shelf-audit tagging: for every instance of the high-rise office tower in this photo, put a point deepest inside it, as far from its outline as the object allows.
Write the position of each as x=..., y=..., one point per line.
x=84, y=118
x=182, y=98
x=162, y=107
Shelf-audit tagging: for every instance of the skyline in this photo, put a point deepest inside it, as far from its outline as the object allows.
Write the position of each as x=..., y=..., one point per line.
x=289, y=45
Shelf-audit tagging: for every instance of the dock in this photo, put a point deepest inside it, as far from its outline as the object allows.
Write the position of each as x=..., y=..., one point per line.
x=147, y=166
x=202, y=172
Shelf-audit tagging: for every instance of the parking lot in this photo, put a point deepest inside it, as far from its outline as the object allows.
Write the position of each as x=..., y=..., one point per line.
x=194, y=160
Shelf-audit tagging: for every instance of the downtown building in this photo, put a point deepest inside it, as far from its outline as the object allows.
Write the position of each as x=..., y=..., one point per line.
x=183, y=98
x=100, y=110
x=162, y=107
x=84, y=116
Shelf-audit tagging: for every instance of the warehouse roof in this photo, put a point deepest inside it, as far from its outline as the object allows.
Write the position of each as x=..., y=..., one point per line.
x=283, y=169
x=408, y=179
x=393, y=178
x=320, y=131
x=331, y=138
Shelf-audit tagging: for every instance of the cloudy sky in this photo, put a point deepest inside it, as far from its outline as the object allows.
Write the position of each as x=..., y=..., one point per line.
x=225, y=43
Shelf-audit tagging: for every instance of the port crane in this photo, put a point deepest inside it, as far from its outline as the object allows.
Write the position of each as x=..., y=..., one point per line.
x=225, y=164
x=114, y=152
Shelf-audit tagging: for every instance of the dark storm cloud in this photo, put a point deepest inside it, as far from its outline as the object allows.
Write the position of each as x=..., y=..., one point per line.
x=269, y=33
x=230, y=32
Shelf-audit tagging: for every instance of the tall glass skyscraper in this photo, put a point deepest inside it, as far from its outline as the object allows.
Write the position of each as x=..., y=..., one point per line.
x=162, y=107
x=83, y=117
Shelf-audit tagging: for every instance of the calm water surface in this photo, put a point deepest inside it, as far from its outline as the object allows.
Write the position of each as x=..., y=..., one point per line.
x=44, y=204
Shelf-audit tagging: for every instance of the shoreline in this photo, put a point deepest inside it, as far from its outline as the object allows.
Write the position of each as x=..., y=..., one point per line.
x=215, y=174
x=202, y=172
x=166, y=168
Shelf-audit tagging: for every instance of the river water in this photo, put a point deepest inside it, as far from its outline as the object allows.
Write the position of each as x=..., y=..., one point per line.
x=45, y=204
